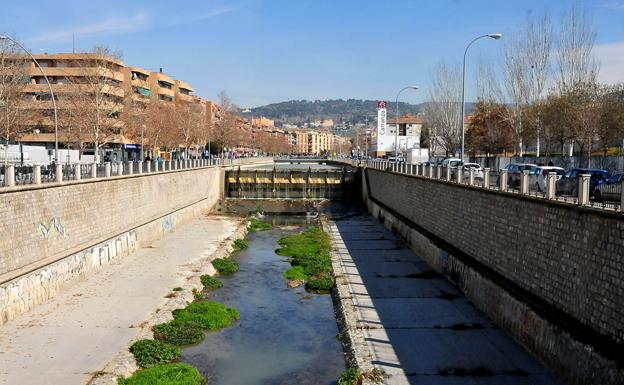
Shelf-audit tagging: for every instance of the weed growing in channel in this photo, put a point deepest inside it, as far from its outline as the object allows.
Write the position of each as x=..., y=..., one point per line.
x=179, y=333
x=225, y=266
x=256, y=224
x=149, y=353
x=209, y=315
x=210, y=283
x=240, y=244
x=309, y=253
x=167, y=374
x=350, y=377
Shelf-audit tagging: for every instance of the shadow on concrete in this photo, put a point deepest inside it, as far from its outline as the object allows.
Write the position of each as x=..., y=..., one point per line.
x=419, y=327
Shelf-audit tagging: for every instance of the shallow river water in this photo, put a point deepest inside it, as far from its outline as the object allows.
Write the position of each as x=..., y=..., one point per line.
x=284, y=337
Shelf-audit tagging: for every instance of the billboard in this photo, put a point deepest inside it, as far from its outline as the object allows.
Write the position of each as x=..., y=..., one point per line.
x=381, y=123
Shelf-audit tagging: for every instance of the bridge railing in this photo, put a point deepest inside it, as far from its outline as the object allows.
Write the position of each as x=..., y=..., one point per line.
x=18, y=175
x=607, y=196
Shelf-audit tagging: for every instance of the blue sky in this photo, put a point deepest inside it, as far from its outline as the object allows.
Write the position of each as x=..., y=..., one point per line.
x=263, y=51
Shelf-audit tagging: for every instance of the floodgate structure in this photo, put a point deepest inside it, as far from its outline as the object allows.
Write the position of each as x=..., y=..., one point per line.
x=437, y=280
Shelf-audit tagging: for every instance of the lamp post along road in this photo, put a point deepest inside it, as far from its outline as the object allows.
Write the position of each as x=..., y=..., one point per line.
x=495, y=36
x=4, y=37
x=396, y=131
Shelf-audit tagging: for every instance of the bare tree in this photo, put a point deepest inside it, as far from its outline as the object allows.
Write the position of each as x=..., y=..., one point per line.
x=226, y=126
x=574, y=61
x=526, y=71
x=442, y=112
x=13, y=80
x=99, y=96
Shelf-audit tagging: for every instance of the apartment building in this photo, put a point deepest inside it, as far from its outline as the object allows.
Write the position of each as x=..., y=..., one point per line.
x=312, y=142
x=74, y=74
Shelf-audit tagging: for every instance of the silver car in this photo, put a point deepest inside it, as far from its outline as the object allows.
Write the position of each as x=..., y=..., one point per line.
x=478, y=171
x=538, y=174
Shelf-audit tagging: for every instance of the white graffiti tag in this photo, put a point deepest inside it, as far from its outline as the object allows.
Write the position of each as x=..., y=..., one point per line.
x=45, y=232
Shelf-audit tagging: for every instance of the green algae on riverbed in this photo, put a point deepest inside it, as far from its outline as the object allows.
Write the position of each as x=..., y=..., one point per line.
x=256, y=224
x=149, y=353
x=225, y=266
x=310, y=258
x=167, y=374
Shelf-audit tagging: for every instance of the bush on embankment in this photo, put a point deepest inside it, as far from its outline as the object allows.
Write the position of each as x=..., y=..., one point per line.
x=310, y=258
x=210, y=282
x=149, y=353
x=225, y=266
x=167, y=374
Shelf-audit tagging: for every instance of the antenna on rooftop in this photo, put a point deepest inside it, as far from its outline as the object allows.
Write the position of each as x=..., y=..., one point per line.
x=73, y=43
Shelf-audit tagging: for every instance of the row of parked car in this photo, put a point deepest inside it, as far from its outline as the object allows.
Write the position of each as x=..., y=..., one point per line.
x=602, y=185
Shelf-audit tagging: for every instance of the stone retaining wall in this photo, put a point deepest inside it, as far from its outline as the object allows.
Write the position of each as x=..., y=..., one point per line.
x=550, y=274
x=52, y=234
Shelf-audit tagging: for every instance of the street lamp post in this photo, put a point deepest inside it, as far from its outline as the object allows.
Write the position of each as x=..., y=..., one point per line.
x=4, y=37
x=396, y=131
x=495, y=36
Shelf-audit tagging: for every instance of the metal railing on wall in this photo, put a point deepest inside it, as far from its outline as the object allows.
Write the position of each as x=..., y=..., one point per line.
x=18, y=175
x=607, y=196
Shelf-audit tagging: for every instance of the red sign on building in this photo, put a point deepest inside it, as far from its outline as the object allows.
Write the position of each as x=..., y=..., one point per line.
x=382, y=104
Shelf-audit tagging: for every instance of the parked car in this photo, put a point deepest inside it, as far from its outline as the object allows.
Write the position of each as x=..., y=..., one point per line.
x=478, y=171
x=610, y=189
x=538, y=174
x=452, y=162
x=568, y=184
x=514, y=171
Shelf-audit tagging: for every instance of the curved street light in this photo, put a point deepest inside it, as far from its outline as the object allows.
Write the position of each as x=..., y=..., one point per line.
x=396, y=131
x=494, y=36
x=4, y=37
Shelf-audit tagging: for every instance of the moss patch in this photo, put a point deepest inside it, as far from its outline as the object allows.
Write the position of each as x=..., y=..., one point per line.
x=225, y=266
x=240, y=244
x=309, y=253
x=295, y=273
x=256, y=224
x=208, y=315
x=179, y=333
x=210, y=283
x=168, y=374
x=149, y=353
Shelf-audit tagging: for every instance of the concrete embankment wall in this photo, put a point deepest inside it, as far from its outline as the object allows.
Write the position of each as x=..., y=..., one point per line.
x=551, y=274
x=52, y=234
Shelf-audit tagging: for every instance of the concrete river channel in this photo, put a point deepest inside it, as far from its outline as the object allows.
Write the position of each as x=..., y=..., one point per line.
x=285, y=336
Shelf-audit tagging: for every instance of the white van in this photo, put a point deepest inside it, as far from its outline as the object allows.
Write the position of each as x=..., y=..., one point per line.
x=453, y=162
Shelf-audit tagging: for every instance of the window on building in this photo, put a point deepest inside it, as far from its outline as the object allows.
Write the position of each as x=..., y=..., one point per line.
x=402, y=129
x=164, y=85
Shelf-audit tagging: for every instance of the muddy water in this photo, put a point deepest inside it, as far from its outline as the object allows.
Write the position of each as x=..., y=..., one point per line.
x=284, y=337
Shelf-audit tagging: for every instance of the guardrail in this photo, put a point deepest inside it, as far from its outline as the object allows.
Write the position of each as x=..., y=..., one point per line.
x=605, y=196
x=14, y=175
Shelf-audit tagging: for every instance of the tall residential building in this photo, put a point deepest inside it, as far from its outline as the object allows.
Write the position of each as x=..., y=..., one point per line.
x=117, y=85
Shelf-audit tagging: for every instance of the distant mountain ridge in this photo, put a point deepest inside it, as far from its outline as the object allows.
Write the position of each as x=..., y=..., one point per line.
x=349, y=111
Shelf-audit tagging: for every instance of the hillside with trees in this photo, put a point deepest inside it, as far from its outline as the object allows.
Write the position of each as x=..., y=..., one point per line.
x=349, y=111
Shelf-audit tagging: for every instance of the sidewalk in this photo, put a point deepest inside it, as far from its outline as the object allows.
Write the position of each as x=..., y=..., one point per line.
x=69, y=339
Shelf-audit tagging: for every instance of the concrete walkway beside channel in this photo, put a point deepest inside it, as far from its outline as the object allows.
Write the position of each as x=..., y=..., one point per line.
x=412, y=323
x=76, y=334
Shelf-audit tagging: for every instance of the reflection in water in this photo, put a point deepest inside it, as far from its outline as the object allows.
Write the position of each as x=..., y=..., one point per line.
x=285, y=336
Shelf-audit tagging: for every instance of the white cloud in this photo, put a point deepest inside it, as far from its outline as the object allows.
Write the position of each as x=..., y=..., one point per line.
x=614, y=5
x=610, y=56
x=117, y=26
x=111, y=26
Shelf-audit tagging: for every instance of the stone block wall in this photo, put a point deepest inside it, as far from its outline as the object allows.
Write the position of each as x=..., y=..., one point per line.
x=550, y=273
x=39, y=224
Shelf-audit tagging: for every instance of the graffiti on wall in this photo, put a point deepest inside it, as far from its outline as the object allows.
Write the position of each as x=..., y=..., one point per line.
x=167, y=223
x=47, y=231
